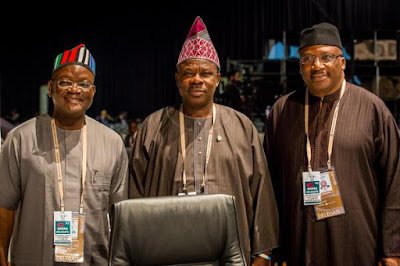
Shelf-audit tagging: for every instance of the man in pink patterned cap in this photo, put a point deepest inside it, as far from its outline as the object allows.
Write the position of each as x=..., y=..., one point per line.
x=203, y=148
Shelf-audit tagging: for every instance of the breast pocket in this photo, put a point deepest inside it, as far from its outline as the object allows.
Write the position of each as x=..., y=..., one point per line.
x=98, y=189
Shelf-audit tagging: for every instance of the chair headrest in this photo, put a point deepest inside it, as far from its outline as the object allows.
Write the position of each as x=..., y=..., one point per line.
x=176, y=230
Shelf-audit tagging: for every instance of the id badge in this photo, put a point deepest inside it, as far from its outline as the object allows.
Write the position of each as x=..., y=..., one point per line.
x=74, y=252
x=311, y=188
x=331, y=200
x=62, y=228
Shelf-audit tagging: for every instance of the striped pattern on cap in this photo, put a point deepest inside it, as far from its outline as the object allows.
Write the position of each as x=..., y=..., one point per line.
x=78, y=55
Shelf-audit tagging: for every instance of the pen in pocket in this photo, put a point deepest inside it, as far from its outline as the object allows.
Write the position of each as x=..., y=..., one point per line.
x=108, y=223
x=94, y=176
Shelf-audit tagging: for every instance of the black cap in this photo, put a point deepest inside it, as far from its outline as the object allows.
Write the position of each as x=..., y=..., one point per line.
x=320, y=34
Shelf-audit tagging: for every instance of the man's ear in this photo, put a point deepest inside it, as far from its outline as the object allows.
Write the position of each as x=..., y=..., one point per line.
x=176, y=79
x=300, y=71
x=49, y=88
x=343, y=63
x=218, y=78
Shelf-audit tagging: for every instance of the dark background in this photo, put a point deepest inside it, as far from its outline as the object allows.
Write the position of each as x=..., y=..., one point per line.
x=136, y=52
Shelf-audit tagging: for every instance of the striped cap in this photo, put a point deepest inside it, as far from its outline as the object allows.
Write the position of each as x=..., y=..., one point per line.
x=198, y=44
x=78, y=55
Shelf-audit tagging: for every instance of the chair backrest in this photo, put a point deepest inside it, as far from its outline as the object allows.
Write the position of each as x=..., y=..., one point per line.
x=176, y=230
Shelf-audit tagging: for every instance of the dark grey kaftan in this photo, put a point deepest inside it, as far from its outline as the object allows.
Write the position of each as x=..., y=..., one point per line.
x=366, y=160
x=237, y=166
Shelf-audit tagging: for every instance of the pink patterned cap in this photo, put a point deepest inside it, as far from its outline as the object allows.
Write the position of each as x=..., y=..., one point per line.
x=198, y=44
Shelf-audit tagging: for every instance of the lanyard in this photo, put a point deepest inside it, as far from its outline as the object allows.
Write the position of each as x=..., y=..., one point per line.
x=58, y=163
x=332, y=132
x=183, y=145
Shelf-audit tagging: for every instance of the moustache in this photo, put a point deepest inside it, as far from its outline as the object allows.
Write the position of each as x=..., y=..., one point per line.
x=196, y=89
x=318, y=72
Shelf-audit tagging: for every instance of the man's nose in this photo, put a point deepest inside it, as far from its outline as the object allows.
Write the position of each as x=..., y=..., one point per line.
x=316, y=64
x=196, y=79
x=74, y=88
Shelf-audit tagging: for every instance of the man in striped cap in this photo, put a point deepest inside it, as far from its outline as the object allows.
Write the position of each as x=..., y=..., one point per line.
x=203, y=148
x=61, y=171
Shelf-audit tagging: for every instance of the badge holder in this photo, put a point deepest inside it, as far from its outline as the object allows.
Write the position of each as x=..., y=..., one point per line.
x=63, y=228
x=183, y=151
x=311, y=188
x=331, y=201
x=72, y=253
x=69, y=227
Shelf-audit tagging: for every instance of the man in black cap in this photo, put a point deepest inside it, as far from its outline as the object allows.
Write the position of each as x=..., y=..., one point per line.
x=337, y=133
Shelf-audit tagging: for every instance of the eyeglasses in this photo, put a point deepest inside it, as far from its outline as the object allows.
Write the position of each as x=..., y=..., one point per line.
x=67, y=84
x=324, y=59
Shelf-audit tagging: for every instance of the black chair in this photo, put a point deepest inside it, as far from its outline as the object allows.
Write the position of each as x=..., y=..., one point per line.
x=176, y=230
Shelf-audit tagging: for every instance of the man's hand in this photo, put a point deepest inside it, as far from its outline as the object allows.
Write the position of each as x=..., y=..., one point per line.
x=389, y=262
x=6, y=227
x=263, y=261
x=3, y=257
x=259, y=261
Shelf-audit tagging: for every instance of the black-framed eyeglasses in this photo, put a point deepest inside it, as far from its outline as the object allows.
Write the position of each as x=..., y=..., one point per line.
x=67, y=84
x=324, y=59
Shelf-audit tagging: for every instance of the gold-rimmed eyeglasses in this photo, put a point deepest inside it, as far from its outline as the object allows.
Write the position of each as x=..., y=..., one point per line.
x=67, y=84
x=324, y=59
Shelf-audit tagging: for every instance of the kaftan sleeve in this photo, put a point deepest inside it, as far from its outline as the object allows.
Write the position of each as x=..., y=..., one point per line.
x=141, y=164
x=10, y=177
x=389, y=161
x=270, y=125
x=265, y=231
x=119, y=182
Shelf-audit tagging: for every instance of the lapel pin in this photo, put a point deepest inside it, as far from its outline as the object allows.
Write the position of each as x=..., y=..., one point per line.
x=219, y=138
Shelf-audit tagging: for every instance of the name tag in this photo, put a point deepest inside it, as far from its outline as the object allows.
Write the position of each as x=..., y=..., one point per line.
x=331, y=200
x=62, y=228
x=73, y=252
x=311, y=188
